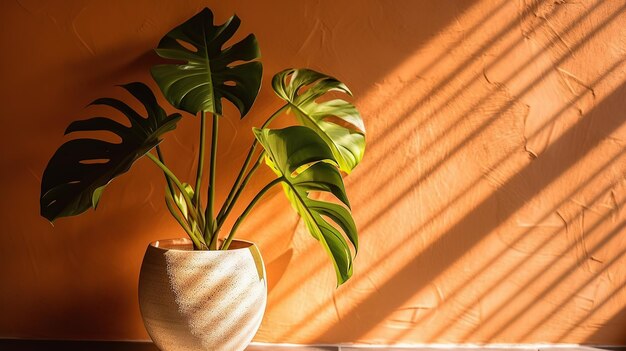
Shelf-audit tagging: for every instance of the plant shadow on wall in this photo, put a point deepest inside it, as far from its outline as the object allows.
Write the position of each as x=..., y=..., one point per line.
x=578, y=145
x=307, y=159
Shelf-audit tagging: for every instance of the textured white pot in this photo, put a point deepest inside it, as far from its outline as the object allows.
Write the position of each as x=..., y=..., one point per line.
x=202, y=300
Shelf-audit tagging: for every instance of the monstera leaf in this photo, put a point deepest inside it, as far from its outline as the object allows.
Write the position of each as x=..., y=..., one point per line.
x=80, y=169
x=208, y=72
x=337, y=121
x=306, y=163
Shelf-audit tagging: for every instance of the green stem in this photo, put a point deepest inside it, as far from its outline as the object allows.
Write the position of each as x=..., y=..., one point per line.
x=170, y=187
x=247, y=211
x=209, y=228
x=171, y=193
x=274, y=115
x=213, y=242
x=240, y=177
x=198, y=244
x=196, y=194
x=238, y=181
x=172, y=177
x=222, y=219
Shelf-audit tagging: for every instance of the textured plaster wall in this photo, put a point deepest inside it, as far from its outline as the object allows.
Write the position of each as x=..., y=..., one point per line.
x=490, y=202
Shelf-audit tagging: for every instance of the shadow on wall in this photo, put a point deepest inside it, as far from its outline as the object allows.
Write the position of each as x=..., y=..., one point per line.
x=608, y=326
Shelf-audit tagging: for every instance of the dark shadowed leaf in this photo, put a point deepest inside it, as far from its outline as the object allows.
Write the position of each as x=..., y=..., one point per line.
x=80, y=169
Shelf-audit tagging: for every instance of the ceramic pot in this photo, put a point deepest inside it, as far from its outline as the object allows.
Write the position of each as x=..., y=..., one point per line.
x=202, y=300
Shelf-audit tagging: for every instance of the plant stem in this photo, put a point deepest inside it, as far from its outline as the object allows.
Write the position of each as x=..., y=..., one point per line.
x=274, y=115
x=237, y=184
x=222, y=219
x=170, y=187
x=235, y=189
x=213, y=242
x=170, y=177
x=196, y=194
x=209, y=228
x=247, y=211
x=173, y=178
x=198, y=244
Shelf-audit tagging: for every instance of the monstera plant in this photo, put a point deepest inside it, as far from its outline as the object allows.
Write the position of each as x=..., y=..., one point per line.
x=197, y=75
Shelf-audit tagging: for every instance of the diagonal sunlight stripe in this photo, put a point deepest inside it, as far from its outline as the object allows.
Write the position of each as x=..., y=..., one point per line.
x=508, y=79
x=459, y=68
x=585, y=183
x=496, y=258
x=475, y=133
x=442, y=211
x=535, y=278
x=438, y=59
x=472, y=239
x=566, y=300
x=619, y=290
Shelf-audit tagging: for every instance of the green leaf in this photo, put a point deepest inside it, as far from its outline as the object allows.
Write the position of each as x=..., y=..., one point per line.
x=80, y=169
x=180, y=200
x=337, y=121
x=189, y=215
x=306, y=163
x=208, y=72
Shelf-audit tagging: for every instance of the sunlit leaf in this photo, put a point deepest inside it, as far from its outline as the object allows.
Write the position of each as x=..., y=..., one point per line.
x=306, y=163
x=180, y=200
x=337, y=121
x=204, y=71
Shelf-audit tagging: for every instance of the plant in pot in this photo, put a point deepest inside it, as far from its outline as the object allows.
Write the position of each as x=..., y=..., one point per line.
x=209, y=291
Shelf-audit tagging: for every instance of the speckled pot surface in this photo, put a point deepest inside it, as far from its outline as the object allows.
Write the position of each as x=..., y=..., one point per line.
x=202, y=300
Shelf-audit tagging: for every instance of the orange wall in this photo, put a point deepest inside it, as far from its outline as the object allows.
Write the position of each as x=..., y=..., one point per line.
x=490, y=201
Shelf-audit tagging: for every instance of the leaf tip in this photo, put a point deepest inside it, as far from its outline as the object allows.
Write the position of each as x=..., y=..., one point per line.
x=175, y=116
x=206, y=13
x=95, y=197
x=48, y=216
x=257, y=132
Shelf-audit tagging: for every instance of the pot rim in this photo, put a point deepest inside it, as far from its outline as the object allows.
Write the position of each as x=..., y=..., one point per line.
x=176, y=243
